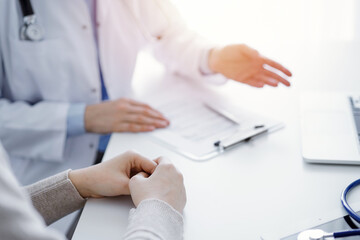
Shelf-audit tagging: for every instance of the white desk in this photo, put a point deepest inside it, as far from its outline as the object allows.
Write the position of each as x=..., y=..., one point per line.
x=260, y=187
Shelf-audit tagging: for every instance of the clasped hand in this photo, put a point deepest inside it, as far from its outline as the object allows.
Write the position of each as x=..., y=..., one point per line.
x=135, y=174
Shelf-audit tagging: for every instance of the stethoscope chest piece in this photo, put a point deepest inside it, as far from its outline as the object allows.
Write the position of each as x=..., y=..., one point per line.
x=31, y=31
x=314, y=234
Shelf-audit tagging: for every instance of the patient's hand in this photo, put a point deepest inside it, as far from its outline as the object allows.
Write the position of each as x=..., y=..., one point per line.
x=244, y=64
x=110, y=178
x=166, y=184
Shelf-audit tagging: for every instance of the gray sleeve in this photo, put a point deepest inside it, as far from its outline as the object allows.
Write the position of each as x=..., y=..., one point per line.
x=18, y=218
x=55, y=197
x=154, y=219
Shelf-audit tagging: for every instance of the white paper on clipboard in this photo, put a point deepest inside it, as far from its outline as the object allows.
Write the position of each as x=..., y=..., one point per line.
x=195, y=127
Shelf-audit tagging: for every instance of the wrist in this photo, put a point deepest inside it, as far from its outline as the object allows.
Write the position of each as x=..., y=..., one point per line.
x=213, y=60
x=88, y=116
x=78, y=179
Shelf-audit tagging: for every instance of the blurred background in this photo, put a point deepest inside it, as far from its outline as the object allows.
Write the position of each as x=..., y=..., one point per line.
x=254, y=21
x=318, y=40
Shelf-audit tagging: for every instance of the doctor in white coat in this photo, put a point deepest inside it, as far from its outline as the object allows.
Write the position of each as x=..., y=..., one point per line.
x=52, y=112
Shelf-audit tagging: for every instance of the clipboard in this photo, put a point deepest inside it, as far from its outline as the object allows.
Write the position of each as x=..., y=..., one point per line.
x=201, y=129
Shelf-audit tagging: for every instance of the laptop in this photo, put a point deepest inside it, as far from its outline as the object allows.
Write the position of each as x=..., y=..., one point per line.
x=330, y=128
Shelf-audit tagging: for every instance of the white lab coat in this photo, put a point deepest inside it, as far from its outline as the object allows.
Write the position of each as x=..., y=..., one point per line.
x=38, y=80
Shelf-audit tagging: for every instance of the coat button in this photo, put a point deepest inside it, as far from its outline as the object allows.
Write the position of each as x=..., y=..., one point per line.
x=93, y=90
x=91, y=145
x=84, y=27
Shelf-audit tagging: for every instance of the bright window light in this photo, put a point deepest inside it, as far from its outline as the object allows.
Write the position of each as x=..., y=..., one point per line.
x=273, y=20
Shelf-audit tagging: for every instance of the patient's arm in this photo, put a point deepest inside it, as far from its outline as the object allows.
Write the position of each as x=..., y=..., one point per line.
x=55, y=197
x=64, y=193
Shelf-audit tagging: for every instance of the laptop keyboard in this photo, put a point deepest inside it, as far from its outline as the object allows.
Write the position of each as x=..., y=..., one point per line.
x=355, y=105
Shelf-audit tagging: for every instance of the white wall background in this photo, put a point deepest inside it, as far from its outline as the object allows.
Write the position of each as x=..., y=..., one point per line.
x=318, y=40
x=255, y=21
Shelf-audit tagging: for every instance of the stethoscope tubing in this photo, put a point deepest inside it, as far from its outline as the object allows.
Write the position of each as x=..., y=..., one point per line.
x=349, y=210
x=347, y=233
x=26, y=8
x=345, y=204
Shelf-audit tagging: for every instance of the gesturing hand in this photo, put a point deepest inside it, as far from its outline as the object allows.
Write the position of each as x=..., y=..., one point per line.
x=110, y=178
x=166, y=184
x=244, y=64
x=123, y=115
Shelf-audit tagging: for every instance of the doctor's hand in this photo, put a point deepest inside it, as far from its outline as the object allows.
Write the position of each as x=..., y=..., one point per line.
x=166, y=184
x=244, y=64
x=123, y=115
x=110, y=178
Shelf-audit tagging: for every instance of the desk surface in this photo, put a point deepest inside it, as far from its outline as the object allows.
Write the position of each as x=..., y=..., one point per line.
x=263, y=187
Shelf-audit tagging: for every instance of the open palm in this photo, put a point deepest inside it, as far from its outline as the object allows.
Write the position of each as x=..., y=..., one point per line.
x=244, y=64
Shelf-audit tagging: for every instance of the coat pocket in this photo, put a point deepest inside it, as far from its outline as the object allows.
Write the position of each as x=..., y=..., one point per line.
x=35, y=66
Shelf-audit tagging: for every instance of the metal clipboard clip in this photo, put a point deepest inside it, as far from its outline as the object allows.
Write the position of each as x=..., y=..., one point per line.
x=240, y=137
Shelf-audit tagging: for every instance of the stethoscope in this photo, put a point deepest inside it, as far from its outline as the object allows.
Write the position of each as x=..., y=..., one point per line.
x=318, y=234
x=30, y=29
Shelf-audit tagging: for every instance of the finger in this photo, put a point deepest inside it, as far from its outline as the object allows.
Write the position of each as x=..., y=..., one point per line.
x=267, y=80
x=277, y=66
x=144, y=105
x=150, y=112
x=165, y=166
x=157, y=160
x=161, y=160
x=275, y=76
x=141, y=176
x=137, y=103
x=134, y=127
x=255, y=83
x=143, y=164
x=144, y=120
